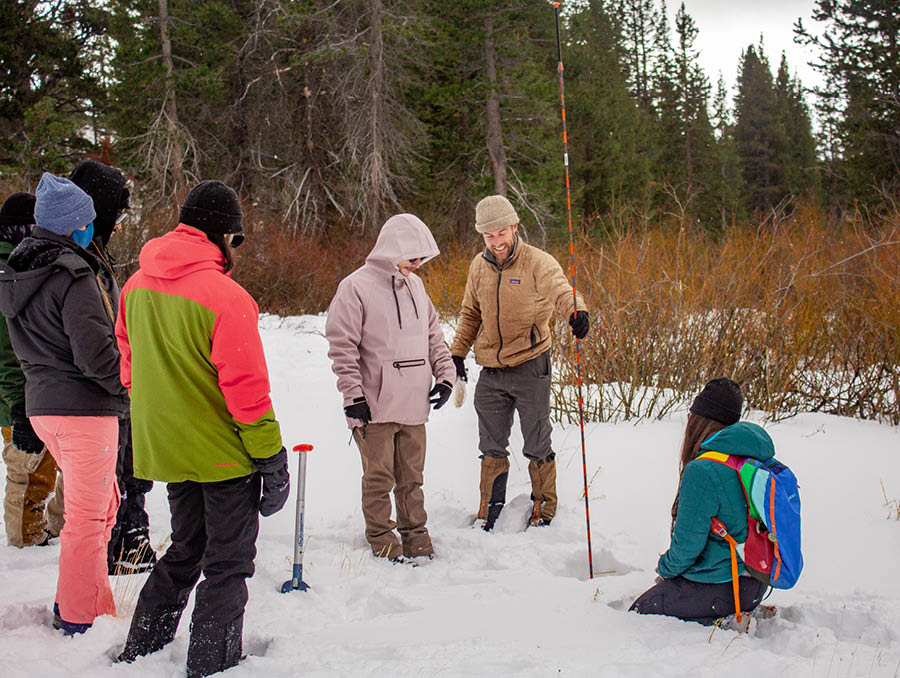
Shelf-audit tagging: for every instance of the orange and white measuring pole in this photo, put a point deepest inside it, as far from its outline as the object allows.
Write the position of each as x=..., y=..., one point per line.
x=562, y=101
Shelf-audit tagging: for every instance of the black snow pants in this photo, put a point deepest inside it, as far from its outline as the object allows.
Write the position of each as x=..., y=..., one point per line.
x=697, y=601
x=132, y=523
x=214, y=530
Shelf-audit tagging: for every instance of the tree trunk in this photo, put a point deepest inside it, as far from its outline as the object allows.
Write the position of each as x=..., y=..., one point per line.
x=171, y=112
x=376, y=83
x=494, y=130
x=240, y=147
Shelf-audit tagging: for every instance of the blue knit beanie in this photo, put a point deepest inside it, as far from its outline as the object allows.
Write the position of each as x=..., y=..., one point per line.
x=60, y=206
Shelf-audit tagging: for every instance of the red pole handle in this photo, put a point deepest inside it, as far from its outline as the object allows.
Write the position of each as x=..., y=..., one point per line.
x=303, y=448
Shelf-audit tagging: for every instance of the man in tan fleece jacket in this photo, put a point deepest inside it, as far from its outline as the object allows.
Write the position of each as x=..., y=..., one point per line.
x=511, y=293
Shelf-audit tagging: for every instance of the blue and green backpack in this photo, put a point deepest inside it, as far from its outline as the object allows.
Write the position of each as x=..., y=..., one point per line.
x=772, y=550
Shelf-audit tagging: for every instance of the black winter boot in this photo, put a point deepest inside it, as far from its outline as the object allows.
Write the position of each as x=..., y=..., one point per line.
x=150, y=633
x=214, y=647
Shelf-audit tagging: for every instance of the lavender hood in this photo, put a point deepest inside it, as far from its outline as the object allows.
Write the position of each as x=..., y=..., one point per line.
x=385, y=341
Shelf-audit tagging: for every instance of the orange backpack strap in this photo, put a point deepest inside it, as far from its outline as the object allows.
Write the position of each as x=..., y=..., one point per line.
x=717, y=527
x=772, y=532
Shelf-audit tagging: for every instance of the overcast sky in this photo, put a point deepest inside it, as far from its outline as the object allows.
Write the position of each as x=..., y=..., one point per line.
x=727, y=27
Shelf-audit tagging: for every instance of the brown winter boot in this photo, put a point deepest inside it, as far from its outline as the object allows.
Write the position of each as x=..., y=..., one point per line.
x=494, y=473
x=543, y=490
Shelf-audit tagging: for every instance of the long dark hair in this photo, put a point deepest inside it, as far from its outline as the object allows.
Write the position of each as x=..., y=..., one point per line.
x=218, y=239
x=698, y=429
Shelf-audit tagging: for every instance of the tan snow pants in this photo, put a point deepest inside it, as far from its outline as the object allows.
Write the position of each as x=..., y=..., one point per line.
x=30, y=480
x=393, y=459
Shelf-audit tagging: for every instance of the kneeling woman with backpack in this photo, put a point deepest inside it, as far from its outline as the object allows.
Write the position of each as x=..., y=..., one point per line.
x=695, y=582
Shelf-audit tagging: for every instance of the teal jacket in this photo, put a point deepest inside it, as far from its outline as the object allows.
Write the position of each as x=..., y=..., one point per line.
x=710, y=489
x=12, y=380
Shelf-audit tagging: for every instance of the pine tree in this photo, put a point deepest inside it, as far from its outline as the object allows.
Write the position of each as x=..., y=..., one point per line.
x=686, y=159
x=450, y=104
x=488, y=98
x=757, y=133
x=171, y=87
x=50, y=83
x=859, y=105
x=728, y=185
x=640, y=21
x=611, y=148
x=796, y=155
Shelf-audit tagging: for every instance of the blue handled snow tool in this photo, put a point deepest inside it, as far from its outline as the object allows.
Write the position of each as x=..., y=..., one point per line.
x=296, y=583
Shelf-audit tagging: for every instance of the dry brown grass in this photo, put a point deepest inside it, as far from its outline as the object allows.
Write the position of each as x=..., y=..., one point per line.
x=805, y=317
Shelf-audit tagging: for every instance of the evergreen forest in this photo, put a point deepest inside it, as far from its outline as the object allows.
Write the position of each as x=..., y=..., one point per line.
x=335, y=114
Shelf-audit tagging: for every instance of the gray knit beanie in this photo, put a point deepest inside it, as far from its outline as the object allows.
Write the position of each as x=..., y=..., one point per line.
x=494, y=212
x=60, y=206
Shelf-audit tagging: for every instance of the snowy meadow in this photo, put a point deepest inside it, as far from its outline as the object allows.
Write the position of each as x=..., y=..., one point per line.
x=514, y=602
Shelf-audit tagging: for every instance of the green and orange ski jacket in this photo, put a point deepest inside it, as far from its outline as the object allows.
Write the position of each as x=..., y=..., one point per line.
x=193, y=360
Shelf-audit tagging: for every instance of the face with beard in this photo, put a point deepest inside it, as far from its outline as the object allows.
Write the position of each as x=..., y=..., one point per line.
x=500, y=241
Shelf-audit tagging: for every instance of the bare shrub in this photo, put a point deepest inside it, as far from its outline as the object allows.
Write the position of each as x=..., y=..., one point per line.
x=806, y=317
x=291, y=273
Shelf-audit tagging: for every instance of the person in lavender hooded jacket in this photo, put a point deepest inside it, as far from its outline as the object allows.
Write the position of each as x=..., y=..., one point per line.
x=387, y=348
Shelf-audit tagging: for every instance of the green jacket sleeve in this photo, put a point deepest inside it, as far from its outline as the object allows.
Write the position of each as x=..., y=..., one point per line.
x=697, y=504
x=12, y=381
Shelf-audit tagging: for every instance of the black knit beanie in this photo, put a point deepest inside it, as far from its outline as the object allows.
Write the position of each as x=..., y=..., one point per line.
x=18, y=210
x=108, y=188
x=720, y=400
x=16, y=218
x=213, y=207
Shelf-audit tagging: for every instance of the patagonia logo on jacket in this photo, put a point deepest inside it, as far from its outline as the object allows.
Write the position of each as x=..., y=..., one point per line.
x=515, y=281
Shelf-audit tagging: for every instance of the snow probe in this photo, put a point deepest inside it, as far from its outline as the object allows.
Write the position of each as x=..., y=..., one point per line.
x=562, y=100
x=296, y=583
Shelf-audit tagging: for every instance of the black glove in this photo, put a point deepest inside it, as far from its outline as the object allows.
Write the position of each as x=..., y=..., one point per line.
x=580, y=324
x=359, y=410
x=23, y=436
x=440, y=394
x=460, y=364
x=276, y=482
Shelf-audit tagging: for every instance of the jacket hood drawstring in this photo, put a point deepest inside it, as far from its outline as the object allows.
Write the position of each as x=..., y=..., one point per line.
x=397, y=301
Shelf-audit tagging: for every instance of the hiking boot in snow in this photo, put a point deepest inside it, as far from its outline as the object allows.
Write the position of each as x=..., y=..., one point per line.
x=214, y=647
x=420, y=545
x=150, y=632
x=765, y=612
x=494, y=474
x=134, y=555
x=749, y=620
x=68, y=628
x=731, y=623
x=543, y=490
x=406, y=560
x=45, y=540
x=391, y=551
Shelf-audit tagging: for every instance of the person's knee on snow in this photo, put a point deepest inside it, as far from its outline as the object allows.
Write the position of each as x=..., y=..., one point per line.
x=695, y=582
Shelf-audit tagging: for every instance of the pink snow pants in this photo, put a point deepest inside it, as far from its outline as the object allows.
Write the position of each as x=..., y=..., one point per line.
x=85, y=449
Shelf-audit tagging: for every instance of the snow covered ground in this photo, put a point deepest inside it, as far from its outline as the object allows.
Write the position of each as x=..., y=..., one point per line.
x=511, y=603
